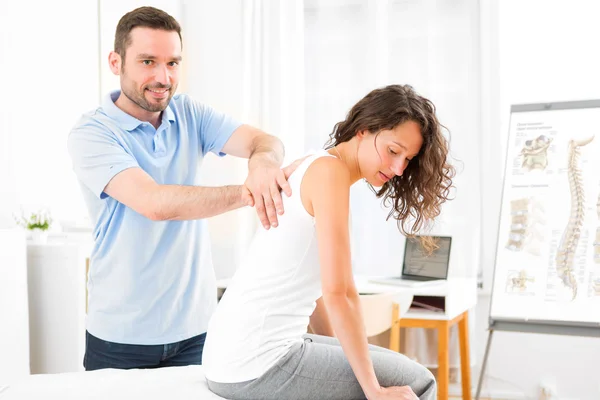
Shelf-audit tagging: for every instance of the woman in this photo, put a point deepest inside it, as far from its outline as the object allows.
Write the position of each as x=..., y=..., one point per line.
x=257, y=346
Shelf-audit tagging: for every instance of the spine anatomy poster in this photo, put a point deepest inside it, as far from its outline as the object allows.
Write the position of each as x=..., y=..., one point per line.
x=548, y=251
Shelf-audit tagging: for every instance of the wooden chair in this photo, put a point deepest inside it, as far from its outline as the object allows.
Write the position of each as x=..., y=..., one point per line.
x=382, y=312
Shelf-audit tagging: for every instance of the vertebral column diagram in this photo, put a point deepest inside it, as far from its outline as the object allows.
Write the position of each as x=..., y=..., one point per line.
x=597, y=241
x=595, y=279
x=527, y=225
x=535, y=153
x=565, y=256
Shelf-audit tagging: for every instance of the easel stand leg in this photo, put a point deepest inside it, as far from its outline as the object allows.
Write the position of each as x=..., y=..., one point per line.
x=483, y=365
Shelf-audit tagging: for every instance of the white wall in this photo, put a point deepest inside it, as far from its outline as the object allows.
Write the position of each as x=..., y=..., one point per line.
x=546, y=52
x=49, y=73
x=8, y=197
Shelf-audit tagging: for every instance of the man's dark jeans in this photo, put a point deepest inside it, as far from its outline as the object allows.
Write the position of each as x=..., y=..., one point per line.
x=101, y=354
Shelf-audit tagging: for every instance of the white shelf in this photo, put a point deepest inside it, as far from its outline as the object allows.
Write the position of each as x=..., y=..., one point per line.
x=57, y=281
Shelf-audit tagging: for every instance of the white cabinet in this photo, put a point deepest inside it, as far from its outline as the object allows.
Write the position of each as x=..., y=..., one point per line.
x=57, y=304
x=14, y=324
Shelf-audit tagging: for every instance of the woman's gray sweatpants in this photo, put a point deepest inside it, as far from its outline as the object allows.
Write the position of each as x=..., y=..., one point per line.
x=319, y=369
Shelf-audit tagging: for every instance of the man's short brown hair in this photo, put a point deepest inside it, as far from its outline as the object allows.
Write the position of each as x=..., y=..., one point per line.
x=147, y=17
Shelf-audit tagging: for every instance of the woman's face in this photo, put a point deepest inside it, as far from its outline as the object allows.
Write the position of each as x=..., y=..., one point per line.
x=387, y=154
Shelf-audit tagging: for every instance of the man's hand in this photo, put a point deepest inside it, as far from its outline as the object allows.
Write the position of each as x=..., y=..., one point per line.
x=263, y=187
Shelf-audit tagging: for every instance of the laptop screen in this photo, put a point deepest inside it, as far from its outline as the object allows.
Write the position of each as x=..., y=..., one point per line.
x=418, y=263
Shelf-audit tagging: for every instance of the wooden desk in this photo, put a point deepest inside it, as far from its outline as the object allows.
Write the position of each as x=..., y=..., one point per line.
x=443, y=328
x=457, y=296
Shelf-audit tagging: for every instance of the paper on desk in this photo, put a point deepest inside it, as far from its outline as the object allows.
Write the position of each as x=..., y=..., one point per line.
x=425, y=306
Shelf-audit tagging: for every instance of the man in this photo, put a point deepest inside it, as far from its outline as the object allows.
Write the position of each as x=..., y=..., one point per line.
x=151, y=283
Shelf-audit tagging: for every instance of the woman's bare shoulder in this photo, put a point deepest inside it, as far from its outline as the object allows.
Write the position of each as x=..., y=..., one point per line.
x=325, y=177
x=326, y=170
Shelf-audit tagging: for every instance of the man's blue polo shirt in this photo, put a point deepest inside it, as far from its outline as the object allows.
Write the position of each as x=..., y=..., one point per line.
x=149, y=282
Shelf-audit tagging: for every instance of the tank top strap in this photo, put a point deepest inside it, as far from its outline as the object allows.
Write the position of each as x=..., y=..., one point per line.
x=295, y=180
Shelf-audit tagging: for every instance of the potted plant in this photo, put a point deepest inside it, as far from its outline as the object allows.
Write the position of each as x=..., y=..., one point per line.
x=38, y=224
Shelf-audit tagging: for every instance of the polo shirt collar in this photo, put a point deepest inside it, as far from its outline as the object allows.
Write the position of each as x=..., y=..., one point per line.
x=128, y=122
x=168, y=114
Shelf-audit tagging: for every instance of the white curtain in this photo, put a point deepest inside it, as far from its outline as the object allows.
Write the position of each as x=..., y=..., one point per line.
x=273, y=80
x=295, y=68
x=251, y=67
x=355, y=46
x=273, y=65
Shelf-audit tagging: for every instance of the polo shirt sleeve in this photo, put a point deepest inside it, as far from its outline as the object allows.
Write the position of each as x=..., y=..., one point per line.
x=214, y=128
x=97, y=157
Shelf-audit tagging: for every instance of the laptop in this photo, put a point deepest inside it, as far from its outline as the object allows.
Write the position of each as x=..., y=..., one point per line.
x=420, y=269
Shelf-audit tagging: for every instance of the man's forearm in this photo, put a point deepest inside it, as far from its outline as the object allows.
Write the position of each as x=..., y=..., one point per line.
x=175, y=202
x=266, y=148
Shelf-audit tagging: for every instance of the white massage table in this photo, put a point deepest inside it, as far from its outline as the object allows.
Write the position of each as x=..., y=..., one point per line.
x=111, y=384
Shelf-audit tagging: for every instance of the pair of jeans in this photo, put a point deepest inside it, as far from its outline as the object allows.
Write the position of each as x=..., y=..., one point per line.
x=101, y=354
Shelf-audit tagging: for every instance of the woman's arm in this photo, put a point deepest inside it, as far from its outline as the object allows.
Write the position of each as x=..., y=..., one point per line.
x=325, y=193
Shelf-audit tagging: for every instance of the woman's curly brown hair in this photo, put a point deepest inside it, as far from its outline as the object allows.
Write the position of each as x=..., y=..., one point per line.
x=425, y=184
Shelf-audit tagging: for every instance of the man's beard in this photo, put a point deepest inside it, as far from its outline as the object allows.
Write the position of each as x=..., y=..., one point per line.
x=141, y=101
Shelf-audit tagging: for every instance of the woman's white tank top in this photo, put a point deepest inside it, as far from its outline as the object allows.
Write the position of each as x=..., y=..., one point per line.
x=268, y=303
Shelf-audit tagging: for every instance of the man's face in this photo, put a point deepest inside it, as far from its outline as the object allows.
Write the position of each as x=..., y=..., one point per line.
x=150, y=72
